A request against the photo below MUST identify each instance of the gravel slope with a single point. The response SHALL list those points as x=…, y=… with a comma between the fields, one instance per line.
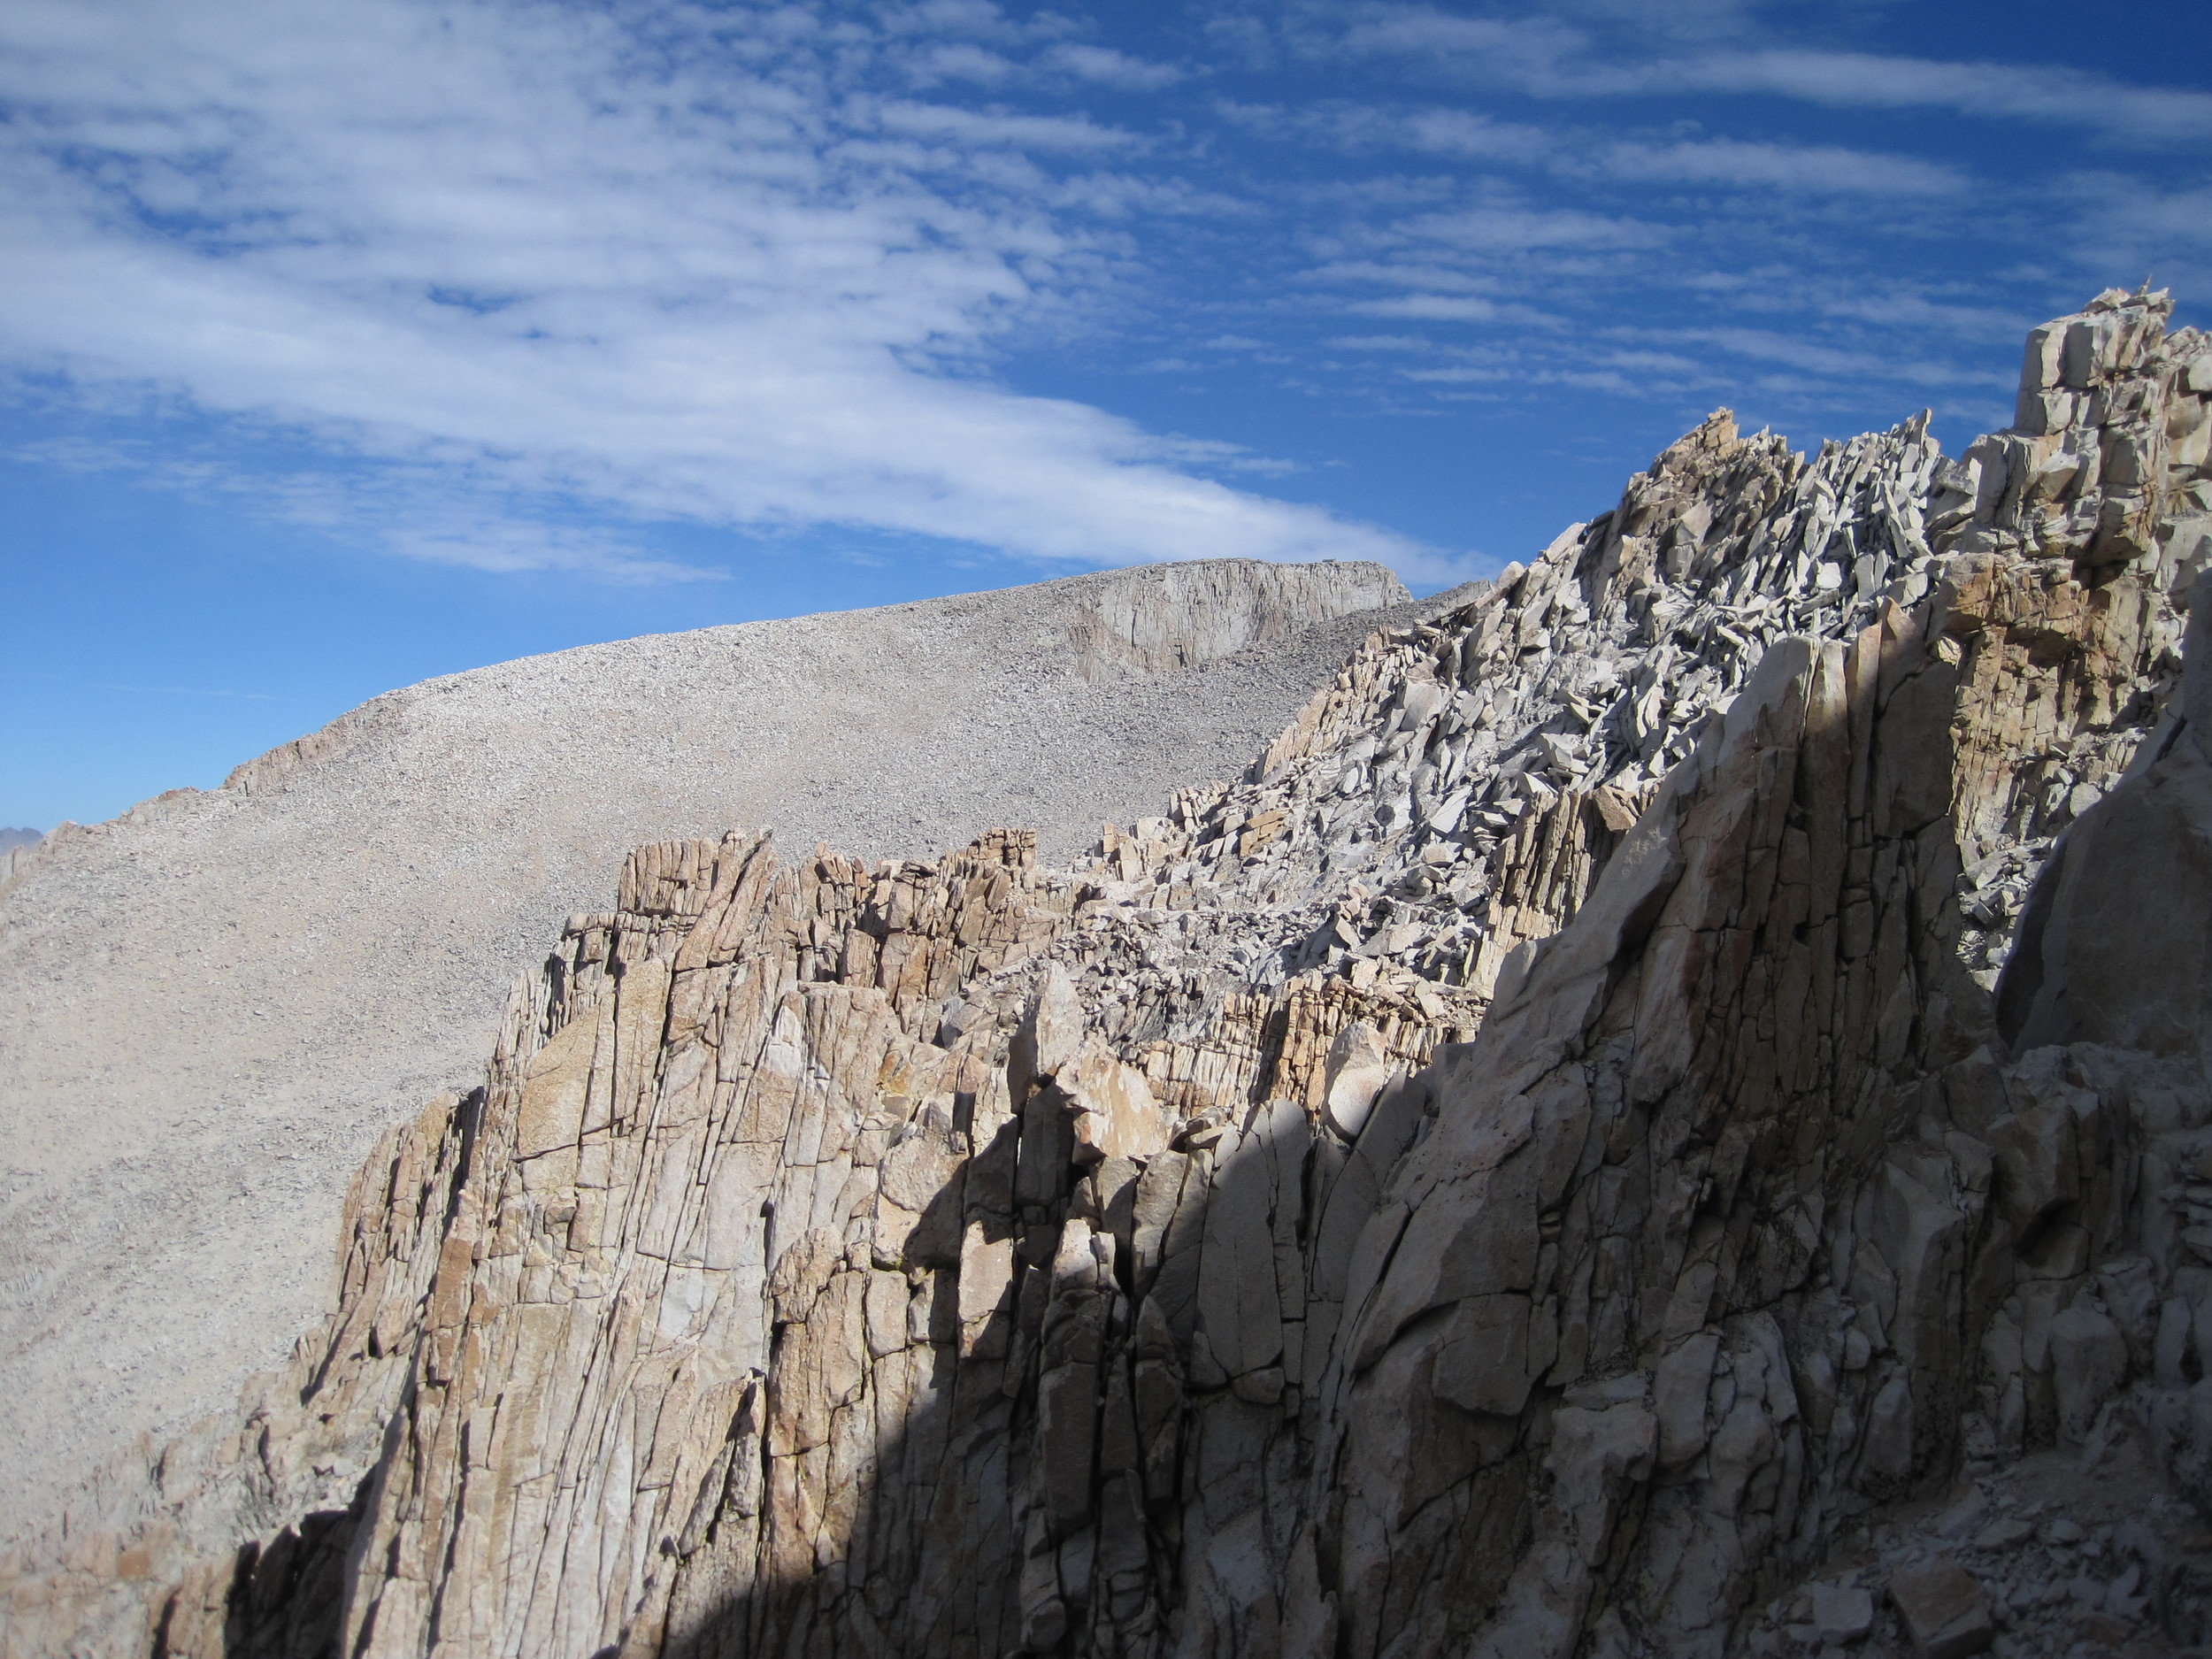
x=218, y=1001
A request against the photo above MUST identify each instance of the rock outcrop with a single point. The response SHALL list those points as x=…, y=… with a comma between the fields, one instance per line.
x=243, y=987
x=1668, y=1112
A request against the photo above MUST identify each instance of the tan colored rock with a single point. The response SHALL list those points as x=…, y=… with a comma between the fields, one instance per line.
x=971, y=1256
x=1114, y=1113
x=1360, y=1068
x=296, y=961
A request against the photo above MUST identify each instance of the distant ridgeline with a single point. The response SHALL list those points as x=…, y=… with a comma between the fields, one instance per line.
x=1684, y=1061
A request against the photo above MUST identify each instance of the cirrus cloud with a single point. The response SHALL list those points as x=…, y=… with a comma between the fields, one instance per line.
x=670, y=264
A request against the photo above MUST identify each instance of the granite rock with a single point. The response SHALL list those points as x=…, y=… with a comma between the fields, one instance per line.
x=1668, y=1113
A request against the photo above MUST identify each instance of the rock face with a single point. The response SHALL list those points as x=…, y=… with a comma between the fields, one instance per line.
x=243, y=988
x=1666, y=1114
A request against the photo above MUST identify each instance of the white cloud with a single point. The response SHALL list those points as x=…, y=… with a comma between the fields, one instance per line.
x=1457, y=307
x=2070, y=97
x=1106, y=67
x=1504, y=228
x=1520, y=49
x=1230, y=457
x=1819, y=169
x=2164, y=235
x=1356, y=128
x=1001, y=131
x=960, y=60
x=1461, y=134
x=1353, y=128
x=1395, y=274
x=1859, y=366
x=1899, y=307
x=1549, y=57
x=423, y=512
x=664, y=264
x=1462, y=264
x=481, y=542
x=1379, y=342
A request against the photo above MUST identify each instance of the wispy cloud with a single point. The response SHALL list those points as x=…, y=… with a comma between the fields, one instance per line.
x=2143, y=224
x=1505, y=228
x=1436, y=307
x=1819, y=169
x=523, y=284
x=2060, y=96
x=989, y=130
x=421, y=510
x=1399, y=272
x=1528, y=50
x=1358, y=128
x=1552, y=58
x=671, y=263
x=1106, y=67
x=1378, y=342
x=1543, y=186
x=158, y=691
x=1800, y=353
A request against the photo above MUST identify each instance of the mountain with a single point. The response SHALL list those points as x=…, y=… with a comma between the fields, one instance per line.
x=1665, y=1112
x=243, y=988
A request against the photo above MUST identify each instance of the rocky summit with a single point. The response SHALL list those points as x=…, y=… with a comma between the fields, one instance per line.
x=1669, y=1112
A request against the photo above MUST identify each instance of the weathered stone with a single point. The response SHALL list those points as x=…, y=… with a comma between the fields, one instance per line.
x=1115, y=1115
x=1679, y=1390
x=1360, y=1068
x=1239, y=1314
x=1841, y=1613
x=1484, y=1363
x=821, y=1271
x=2089, y=1359
x=1051, y=1030
x=1945, y=1611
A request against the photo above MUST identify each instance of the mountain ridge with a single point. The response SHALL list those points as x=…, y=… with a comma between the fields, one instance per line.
x=1627, y=1130
x=245, y=987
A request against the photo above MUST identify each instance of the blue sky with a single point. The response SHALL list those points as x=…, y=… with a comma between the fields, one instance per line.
x=342, y=345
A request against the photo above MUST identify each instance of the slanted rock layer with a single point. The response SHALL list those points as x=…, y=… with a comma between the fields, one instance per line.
x=1667, y=1113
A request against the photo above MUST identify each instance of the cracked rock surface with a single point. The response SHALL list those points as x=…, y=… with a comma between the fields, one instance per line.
x=243, y=988
x=1668, y=1113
